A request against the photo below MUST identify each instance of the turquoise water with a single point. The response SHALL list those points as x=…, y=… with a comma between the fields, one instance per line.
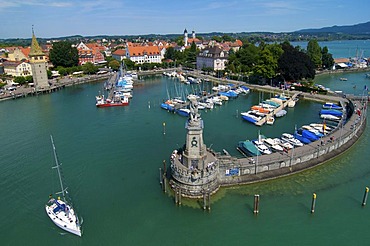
x=355, y=83
x=111, y=158
x=343, y=48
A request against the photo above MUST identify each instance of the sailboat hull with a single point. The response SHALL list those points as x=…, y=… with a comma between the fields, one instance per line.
x=64, y=219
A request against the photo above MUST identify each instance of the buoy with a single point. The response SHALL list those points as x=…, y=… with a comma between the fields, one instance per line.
x=365, y=196
x=256, y=203
x=313, y=203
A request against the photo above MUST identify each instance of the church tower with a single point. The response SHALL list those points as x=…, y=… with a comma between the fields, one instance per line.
x=193, y=34
x=185, y=37
x=38, y=64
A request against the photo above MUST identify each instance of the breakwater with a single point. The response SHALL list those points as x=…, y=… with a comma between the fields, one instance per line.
x=227, y=170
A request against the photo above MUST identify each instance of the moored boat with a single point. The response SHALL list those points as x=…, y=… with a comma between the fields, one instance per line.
x=183, y=112
x=329, y=105
x=273, y=144
x=287, y=137
x=248, y=148
x=116, y=102
x=281, y=113
x=329, y=117
x=270, y=120
x=285, y=145
x=331, y=112
x=301, y=138
x=261, y=147
x=250, y=116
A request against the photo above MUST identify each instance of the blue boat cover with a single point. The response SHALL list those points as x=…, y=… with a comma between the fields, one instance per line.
x=249, y=119
x=331, y=112
x=60, y=207
x=310, y=135
x=301, y=138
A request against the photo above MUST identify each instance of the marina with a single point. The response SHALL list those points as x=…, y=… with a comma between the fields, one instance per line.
x=123, y=186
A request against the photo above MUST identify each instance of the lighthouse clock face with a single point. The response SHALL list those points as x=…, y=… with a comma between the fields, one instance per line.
x=194, y=143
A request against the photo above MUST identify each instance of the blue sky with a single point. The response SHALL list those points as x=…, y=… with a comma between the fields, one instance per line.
x=53, y=18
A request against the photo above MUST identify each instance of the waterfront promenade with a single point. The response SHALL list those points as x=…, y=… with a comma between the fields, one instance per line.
x=55, y=84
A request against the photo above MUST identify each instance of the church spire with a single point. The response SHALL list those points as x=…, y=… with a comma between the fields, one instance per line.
x=35, y=47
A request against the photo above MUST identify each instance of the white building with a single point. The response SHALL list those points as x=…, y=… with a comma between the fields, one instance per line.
x=16, y=68
x=213, y=57
x=144, y=54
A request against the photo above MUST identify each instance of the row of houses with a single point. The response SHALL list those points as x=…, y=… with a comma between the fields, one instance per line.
x=213, y=55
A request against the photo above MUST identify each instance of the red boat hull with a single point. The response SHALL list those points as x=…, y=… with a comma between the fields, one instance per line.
x=105, y=105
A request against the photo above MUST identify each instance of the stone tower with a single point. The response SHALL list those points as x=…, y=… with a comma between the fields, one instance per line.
x=185, y=37
x=194, y=168
x=195, y=152
x=38, y=65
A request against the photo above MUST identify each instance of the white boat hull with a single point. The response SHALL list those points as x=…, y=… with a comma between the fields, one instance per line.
x=64, y=220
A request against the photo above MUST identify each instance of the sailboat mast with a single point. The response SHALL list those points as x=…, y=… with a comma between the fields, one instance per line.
x=57, y=166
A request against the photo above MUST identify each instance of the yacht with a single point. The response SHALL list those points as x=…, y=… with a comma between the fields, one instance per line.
x=273, y=145
x=261, y=147
x=287, y=137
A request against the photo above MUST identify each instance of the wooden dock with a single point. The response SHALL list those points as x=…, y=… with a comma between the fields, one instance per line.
x=275, y=111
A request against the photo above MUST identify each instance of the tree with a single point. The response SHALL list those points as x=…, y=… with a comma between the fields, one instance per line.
x=295, y=64
x=63, y=54
x=20, y=80
x=327, y=58
x=89, y=68
x=314, y=52
x=114, y=64
x=130, y=65
x=227, y=38
x=191, y=56
x=29, y=79
x=170, y=53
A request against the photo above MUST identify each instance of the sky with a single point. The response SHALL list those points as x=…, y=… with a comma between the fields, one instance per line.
x=53, y=18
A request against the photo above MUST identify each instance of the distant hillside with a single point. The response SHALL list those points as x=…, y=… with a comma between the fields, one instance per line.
x=358, y=29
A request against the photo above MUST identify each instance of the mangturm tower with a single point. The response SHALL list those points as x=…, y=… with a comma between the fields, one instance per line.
x=194, y=168
x=38, y=65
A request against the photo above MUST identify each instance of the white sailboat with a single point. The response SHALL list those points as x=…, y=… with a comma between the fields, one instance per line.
x=60, y=210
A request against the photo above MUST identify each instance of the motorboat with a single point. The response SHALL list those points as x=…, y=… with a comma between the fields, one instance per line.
x=183, y=112
x=261, y=109
x=298, y=135
x=248, y=148
x=285, y=145
x=270, y=120
x=116, y=102
x=313, y=130
x=250, y=116
x=330, y=117
x=287, y=137
x=330, y=105
x=261, y=147
x=331, y=112
x=323, y=127
x=272, y=144
x=281, y=113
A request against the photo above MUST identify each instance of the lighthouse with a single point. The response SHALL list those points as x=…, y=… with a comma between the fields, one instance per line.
x=194, y=168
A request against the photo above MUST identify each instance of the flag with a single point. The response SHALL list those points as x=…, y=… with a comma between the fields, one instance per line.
x=323, y=127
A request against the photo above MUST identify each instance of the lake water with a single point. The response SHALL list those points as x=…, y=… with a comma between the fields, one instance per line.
x=343, y=48
x=111, y=158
